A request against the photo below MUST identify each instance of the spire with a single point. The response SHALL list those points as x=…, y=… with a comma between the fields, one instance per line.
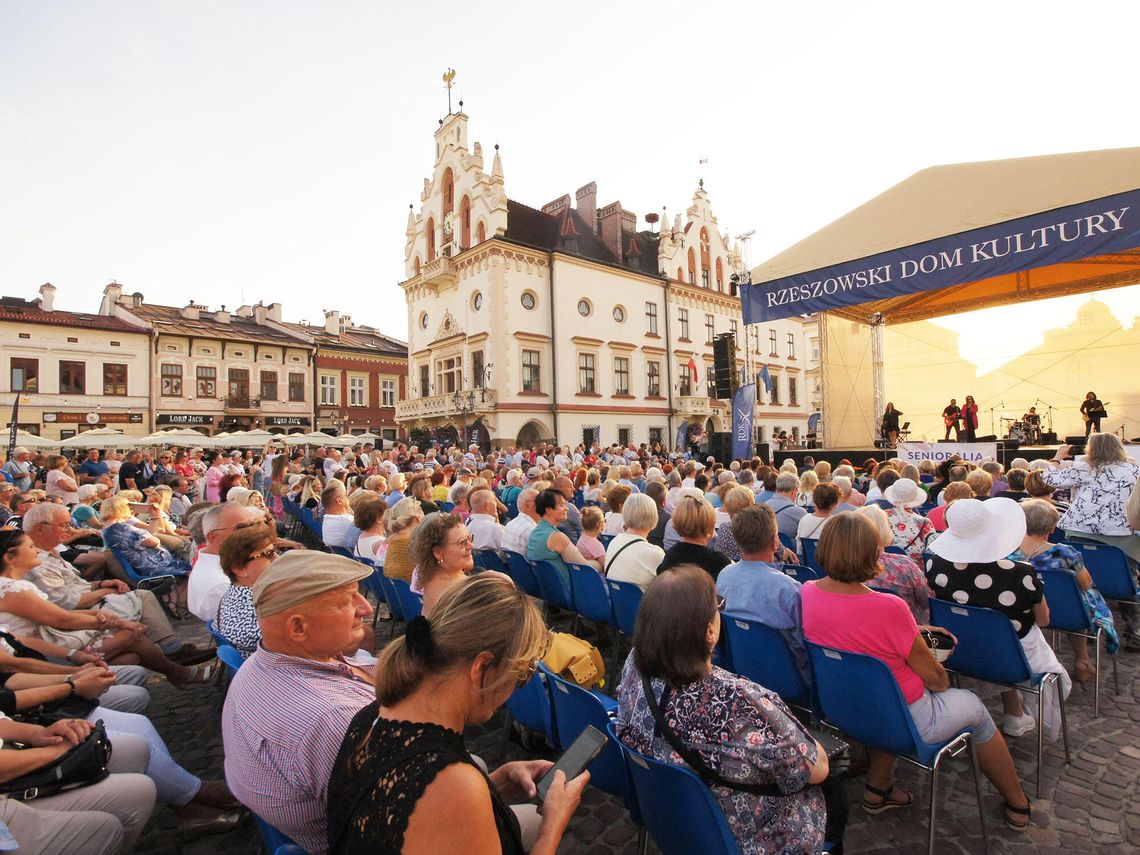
x=411, y=219
x=497, y=167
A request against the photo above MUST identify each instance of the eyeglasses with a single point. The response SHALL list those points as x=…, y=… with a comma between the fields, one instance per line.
x=721, y=602
x=467, y=541
x=269, y=554
x=524, y=678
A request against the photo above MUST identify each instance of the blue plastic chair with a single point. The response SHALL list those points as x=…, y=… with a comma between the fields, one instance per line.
x=802, y=574
x=578, y=499
x=411, y=605
x=231, y=658
x=375, y=584
x=788, y=542
x=762, y=654
x=895, y=550
x=394, y=605
x=529, y=705
x=342, y=552
x=1109, y=569
x=555, y=591
x=809, y=545
x=289, y=849
x=148, y=583
x=272, y=838
x=625, y=598
x=606, y=539
x=859, y=695
x=1067, y=614
x=679, y=811
x=988, y=650
x=590, y=596
x=446, y=507
x=490, y=559
x=212, y=628
x=521, y=570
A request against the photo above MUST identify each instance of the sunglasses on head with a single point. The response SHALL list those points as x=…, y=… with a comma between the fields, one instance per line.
x=524, y=678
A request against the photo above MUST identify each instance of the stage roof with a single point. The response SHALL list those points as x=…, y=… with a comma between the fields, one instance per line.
x=966, y=236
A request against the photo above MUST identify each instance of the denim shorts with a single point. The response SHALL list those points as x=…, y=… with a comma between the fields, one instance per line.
x=939, y=715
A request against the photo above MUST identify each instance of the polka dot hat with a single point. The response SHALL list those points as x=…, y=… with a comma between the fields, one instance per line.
x=980, y=532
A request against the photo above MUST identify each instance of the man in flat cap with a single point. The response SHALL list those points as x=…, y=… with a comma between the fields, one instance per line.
x=289, y=706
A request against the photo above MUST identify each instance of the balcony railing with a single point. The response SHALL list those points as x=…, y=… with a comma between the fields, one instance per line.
x=693, y=405
x=439, y=273
x=444, y=405
x=242, y=403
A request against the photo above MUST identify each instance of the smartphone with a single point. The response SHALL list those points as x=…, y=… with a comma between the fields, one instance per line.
x=577, y=757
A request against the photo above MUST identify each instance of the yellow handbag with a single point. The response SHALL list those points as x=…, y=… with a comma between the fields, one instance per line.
x=575, y=660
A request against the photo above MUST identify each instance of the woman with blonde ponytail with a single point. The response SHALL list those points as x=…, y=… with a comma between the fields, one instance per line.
x=403, y=780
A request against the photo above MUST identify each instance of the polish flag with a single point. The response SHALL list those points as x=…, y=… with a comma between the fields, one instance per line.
x=693, y=368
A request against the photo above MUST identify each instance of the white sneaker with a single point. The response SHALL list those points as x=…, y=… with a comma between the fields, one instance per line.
x=1018, y=725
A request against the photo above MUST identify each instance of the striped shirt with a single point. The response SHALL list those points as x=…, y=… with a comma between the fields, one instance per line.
x=283, y=723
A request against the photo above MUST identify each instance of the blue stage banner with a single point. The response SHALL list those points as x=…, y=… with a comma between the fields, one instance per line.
x=743, y=410
x=1063, y=234
x=683, y=436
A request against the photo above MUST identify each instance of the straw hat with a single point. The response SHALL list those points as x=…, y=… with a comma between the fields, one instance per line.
x=980, y=532
x=904, y=493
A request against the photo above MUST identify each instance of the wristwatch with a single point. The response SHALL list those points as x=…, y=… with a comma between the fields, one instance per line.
x=70, y=682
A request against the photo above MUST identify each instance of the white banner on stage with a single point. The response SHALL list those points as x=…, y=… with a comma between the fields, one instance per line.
x=974, y=452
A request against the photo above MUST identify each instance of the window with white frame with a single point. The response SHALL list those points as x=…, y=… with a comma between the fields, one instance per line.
x=710, y=329
x=772, y=343
x=587, y=382
x=651, y=318
x=791, y=345
x=531, y=371
x=329, y=397
x=387, y=393
x=358, y=391
x=449, y=375
x=683, y=323
x=621, y=375
x=654, y=379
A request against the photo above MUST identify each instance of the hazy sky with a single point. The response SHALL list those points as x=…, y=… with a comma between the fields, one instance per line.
x=236, y=151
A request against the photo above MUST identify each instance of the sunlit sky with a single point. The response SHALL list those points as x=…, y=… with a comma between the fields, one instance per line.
x=240, y=151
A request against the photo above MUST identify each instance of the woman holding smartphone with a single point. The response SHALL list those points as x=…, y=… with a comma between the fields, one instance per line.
x=404, y=781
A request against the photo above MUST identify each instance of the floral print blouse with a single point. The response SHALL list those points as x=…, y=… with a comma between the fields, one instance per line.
x=1098, y=497
x=743, y=732
x=904, y=578
x=912, y=532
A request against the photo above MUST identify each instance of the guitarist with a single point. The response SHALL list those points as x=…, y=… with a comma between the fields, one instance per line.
x=952, y=415
x=1092, y=411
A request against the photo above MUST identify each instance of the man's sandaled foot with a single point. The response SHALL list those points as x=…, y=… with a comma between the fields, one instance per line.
x=885, y=800
x=1017, y=818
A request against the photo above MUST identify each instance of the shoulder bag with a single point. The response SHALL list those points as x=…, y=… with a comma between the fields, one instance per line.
x=86, y=763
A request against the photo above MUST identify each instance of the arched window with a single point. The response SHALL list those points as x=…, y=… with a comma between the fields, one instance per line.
x=692, y=267
x=431, y=239
x=680, y=275
x=705, y=257
x=719, y=275
x=448, y=191
x=417, y=265
x=465, y=222
x=482, y=232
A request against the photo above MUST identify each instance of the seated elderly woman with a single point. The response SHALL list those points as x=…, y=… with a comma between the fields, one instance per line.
x=1101, y=485
x=245, y=555
x=669, y=678
x=400, y=522
x=694, y=520
x=140, y=546
x=899, y=574
x=630, y=556
x=954, y=491
x=842, y=612
x=1040, y=521
x=736, y=499
x=825, y=499
x=441, y=550
x=1036, y=488
x=84, y=514
x=981, y=482
x=368, y=516
x=547, y=543
x=912, y=531
x=971, y=567
x=403, y=780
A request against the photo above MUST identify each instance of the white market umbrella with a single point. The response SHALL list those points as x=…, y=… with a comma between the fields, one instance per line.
x=252, y=438
x=100, y=438
x=312, y=438
x=34, y=443
x=367, y=437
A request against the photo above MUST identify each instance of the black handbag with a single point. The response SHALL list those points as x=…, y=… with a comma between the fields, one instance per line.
x=85, y=764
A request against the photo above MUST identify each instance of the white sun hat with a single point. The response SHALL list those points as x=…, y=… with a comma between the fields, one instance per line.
x=905, y=493
x=980, y=532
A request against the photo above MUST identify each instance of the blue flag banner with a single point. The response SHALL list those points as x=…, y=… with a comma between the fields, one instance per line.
x=682, y=435
x=1063, y=234
x=765, y=378
x=743, y=410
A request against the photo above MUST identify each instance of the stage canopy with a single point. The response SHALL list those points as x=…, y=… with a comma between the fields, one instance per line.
x=949, y=239
x=965, y=236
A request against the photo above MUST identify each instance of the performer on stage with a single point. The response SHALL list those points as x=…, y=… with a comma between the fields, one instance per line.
x=890, y=428
x=1092, y=411
x=952, y=415
x=970, y=419
x=1032, y=421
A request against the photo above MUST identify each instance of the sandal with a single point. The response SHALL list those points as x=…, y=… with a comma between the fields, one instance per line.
x=1026, y=812
x=198, y=674
x=886, y=802
x=1082, y=672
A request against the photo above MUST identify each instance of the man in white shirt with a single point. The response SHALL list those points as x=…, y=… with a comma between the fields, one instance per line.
x=332, y=464
x=462, y=476
x=337, y=527
x=516, y=533
x=207, y=580
x=483, y=525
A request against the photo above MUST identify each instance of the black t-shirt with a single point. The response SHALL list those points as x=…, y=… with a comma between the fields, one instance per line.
x=691, y=553
x=952, y=412
x=130, y=470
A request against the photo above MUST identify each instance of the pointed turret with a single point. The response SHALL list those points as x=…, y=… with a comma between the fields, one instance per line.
x=497, y=167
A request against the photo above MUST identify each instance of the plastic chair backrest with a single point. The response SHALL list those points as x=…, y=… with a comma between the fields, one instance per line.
x=489, y=559
x=1066, y=608
x=212, y=628
x=574, y=708
x=626, y=600
x=606, y=539
x=762, y=654
x=1109, y=569
x=590, y=595
x=412, y=605
x=801, y=573
x=129, y=569
x=376, y=586
x=395, y=606
x=289, y=849
x=530, y=706
x=678, y=810
x=859, y=695
x=521, y=570
x=578, y=499
x=895, y=550
x=342, y=551
x=987, y=647
x=446, y=507
x=271, y=838
x=808, y=544
x=553, y=587
x=788, y=541
x=230, y=657
x=925, y=508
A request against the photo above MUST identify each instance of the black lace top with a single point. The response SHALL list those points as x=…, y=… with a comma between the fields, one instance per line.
x=381, y=771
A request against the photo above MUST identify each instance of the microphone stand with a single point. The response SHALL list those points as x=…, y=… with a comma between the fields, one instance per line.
x=1051, y=408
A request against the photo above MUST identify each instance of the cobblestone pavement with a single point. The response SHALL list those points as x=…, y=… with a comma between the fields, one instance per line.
x=1090, y=806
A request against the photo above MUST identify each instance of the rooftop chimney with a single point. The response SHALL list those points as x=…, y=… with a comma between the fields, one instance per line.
x=136, y=299
x=557, y=206
x=588, y=204
x=191, y=311
x=275, y=312
x=244, y=311
x=47, y=297
x=260, y=314
x=332, y=322
x=609, y=228
x=222, y=316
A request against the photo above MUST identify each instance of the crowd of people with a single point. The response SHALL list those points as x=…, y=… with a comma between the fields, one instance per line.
x=341, y=742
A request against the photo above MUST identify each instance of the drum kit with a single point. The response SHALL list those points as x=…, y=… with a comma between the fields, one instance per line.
x=1027, y=431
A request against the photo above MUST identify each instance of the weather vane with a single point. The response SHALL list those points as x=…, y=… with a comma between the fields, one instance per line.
x=449, y=79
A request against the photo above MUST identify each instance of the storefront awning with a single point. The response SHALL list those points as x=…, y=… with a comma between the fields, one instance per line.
x=965, y=236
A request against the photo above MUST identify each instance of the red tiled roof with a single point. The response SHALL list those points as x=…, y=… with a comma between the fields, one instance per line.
x=169, y=319
x=29, y=312
x=355, y=338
